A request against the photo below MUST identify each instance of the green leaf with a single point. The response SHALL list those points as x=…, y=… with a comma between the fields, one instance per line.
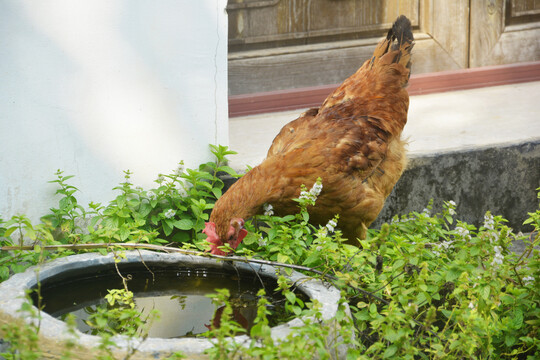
x=282, y=258
x=260, y=330
x=312, y=260
x=484, y=291
x=9, y=231
x=183, y=224
x=94, y=221
x=362, y=315
x=291, y=297
x=509, y=340
x=453, y=273
x=31, y=233
x=217, y=192
x=391, y=335
x=167, y=229
x=390, y=351
x=124, y=232
x=517, y=320
x=398, y=264
x=287, y=218
x=4, y=273
x=145, y=209
x=120, y=201
x=181, y=237
x=229, y=170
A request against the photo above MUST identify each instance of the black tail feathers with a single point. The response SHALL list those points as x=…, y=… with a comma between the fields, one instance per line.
x=401, y=31
x=401, y=38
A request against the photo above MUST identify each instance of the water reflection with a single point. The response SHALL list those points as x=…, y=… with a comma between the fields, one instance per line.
x=179, y=295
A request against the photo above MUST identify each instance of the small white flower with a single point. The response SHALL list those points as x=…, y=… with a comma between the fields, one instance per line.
x=489, y=222
x=451, y=207
x=528, y=279
x=262, y=241
x=305, y=195
x=268, y=210
x=316, y=189
x=471, y=306
x=160, y=179
x=499, y=257
x=169, y=213
x=182, y=191
x=446, y=244
x=318, y=248
x=180, y=169
x=331, y=225
x=426, y=212
x=463, y=232
x=493, y=236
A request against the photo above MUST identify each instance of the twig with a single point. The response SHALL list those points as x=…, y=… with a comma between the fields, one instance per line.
x=189, y=252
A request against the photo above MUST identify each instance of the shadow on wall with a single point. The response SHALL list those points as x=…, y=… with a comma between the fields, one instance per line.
x=97, y=87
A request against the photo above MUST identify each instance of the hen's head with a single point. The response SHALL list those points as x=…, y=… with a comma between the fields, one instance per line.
x=234, y=237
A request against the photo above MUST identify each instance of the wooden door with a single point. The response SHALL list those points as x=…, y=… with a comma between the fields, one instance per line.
x=290, y=44
x=504, y=32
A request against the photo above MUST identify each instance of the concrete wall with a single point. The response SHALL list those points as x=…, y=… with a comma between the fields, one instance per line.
x=98, y=87
x=502, y=179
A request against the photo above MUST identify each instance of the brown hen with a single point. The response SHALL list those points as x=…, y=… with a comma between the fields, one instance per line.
x=352, y=142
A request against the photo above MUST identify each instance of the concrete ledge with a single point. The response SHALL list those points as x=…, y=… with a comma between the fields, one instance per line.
x=502, y=179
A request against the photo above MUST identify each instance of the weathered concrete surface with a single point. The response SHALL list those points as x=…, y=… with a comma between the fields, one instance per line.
x=501, y=179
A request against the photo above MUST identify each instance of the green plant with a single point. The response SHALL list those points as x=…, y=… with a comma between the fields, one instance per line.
x=18, y=261
x=118, y=315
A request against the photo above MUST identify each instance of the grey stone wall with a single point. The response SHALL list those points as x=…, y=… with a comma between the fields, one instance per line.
x=502, y=179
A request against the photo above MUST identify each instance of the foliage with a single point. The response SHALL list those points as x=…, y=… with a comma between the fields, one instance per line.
x=425, y=286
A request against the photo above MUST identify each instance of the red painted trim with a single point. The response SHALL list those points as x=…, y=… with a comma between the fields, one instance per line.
x=281, y=100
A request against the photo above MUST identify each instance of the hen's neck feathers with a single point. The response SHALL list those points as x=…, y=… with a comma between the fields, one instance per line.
x=243, y=200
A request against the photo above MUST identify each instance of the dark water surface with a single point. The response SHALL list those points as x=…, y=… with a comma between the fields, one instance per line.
x=178, y=293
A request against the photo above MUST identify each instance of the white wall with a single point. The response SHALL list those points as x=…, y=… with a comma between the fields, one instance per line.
x=95, y=87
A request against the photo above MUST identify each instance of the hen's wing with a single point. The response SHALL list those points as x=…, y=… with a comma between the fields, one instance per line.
x=288, y=136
